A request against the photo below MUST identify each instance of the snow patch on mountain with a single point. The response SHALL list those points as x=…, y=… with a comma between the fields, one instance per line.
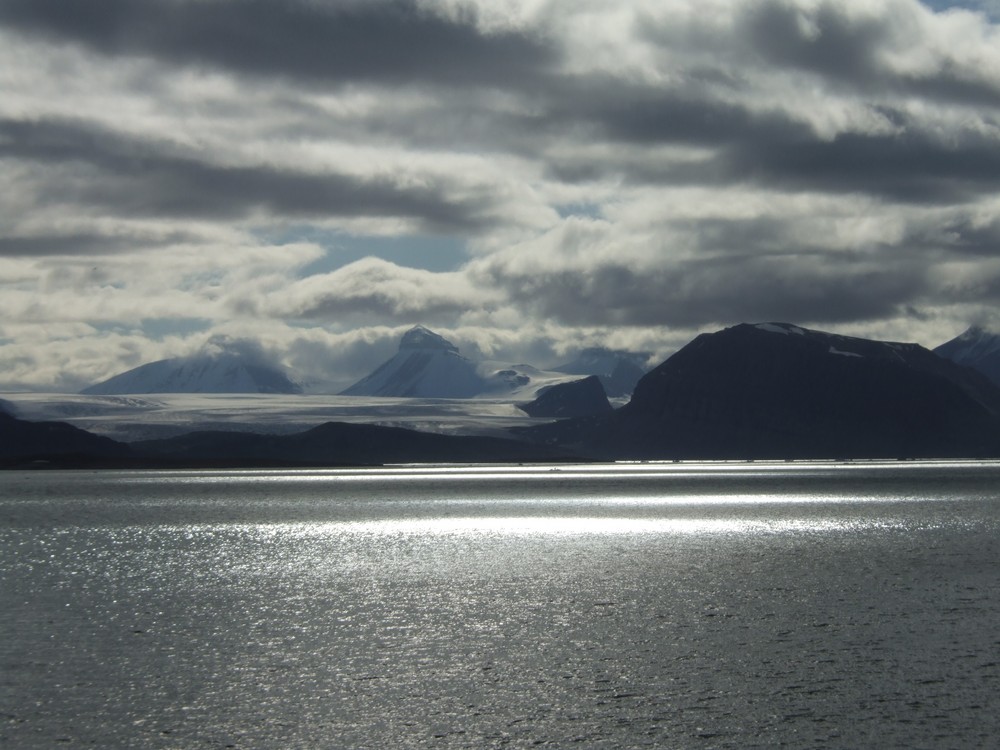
x=782, y=328
x=835, y=350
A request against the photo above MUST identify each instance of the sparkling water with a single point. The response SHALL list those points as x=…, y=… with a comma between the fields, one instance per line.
x=644, y=605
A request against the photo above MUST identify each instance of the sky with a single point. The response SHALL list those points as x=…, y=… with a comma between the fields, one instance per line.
x=525, y=177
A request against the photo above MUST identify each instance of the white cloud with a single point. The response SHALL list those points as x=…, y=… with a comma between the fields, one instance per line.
x=631, y=172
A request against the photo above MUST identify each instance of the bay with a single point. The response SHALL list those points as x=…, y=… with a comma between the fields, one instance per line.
x=629, y=605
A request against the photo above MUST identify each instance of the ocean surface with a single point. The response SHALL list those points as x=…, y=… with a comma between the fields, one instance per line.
x=603, y=606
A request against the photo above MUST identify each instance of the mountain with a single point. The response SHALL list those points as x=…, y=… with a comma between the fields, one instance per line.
x=579, y=398
x=975, y=348
x=223, y=366
x=22, y=441
x=46, y=444
x=618, y=370
x=775, y=390
x=341, y=444
x=427, y=365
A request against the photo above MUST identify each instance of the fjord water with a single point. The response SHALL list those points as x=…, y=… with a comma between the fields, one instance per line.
x=645, y=605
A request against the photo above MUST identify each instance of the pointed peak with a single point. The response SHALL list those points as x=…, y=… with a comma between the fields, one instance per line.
x=419, y=337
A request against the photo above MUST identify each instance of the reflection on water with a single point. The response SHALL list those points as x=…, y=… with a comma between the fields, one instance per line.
x=575, y=526
x=640, y=605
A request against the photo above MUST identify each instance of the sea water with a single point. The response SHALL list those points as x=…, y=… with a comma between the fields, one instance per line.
x=605, y=606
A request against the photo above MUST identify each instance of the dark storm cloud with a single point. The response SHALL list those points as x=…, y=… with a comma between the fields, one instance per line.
x=134, y=177
x=773, y=150
x=695, y=292
x=849, y=48
x=956, y=237
x=837, y=46
x=906, y=167
x=391, y=41
x=644, y=114
x=89, y=243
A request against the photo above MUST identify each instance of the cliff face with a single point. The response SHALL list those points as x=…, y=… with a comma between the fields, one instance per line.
x=779, y=391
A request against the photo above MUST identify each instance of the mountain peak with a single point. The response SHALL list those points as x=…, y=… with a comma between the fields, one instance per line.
x=618, y=370
x=427, y=365
x=419, y=337
x=223, y=365
x=976, y=347
x=978, y=333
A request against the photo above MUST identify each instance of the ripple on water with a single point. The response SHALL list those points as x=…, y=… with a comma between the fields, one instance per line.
x=478, y=613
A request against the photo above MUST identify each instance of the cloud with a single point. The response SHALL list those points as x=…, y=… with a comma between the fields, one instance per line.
x=107, y=172
x=373, y=288
x=633, y=172
x=383, y=41
x=584, y=274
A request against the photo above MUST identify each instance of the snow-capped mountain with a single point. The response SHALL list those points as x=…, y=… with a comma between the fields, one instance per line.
x=976, y=348
x=427, y=365
x=618, y=370
x=223, y=366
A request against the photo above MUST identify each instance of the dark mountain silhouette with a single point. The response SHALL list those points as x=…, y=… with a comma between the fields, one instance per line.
x=778, y=391
x=579, y=398
x=22, y=441
x=342, y=444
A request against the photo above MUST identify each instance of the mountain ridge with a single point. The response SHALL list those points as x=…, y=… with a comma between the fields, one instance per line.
x=775, y=390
